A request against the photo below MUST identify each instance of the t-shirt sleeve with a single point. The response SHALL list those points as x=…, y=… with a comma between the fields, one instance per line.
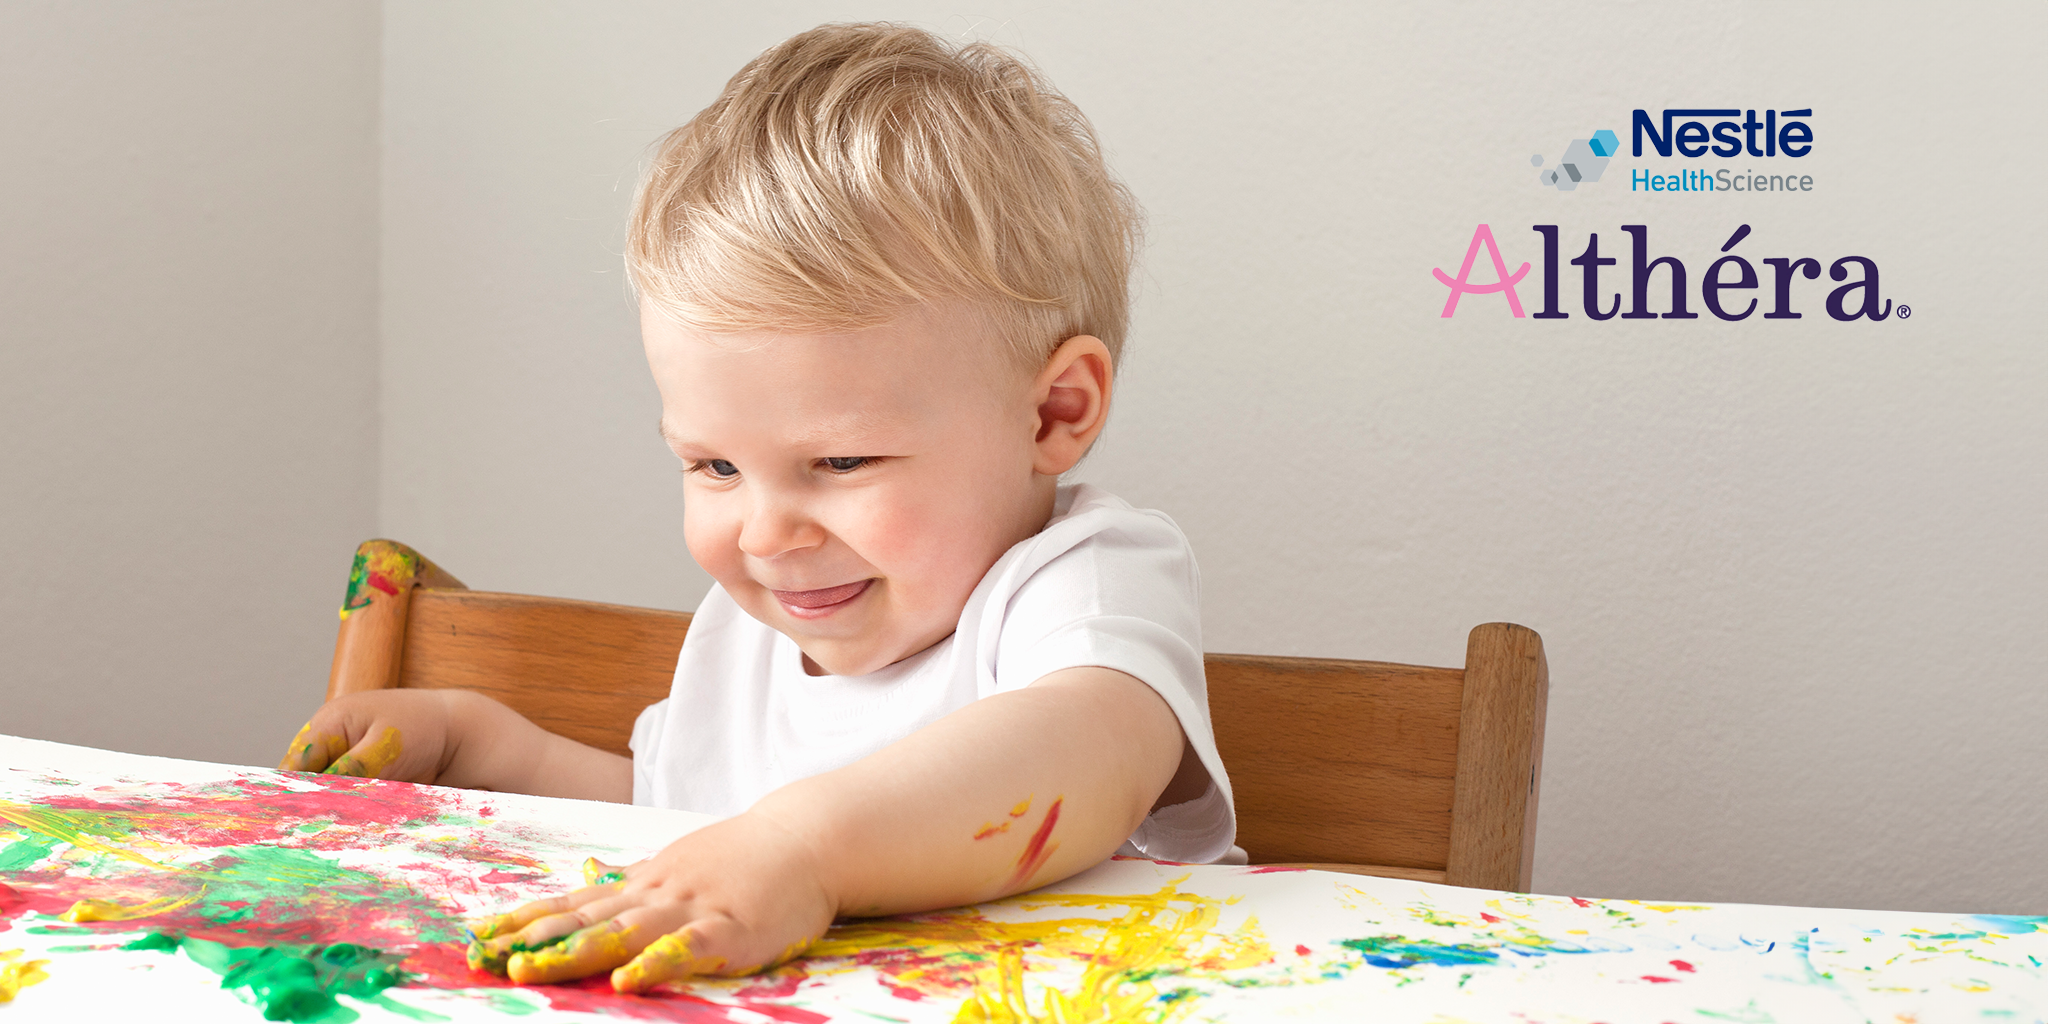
x=1122, y=593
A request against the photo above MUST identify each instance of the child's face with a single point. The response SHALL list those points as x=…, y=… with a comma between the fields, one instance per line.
x=850, y=490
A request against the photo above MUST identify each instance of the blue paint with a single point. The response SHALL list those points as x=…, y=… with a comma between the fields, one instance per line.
x=2011, y=924
x=1394, y=952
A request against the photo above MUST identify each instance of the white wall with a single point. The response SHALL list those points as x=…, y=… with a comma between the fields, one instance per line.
x=187, y=365
x=1788, y=573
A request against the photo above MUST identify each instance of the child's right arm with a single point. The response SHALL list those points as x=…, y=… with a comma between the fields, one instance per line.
x=453, y=738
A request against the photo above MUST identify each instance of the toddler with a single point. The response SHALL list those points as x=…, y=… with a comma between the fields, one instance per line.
x=883, y=285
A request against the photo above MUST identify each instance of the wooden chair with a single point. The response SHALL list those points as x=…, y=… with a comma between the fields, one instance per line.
x=1374, y=768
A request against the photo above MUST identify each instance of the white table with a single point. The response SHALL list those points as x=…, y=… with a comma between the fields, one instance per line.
x=221, y=863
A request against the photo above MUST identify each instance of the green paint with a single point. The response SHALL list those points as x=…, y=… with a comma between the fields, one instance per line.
x=314, y=827
x=358, y=574
x=25, y=852
x=495, y=962
x=297, y=983
x=609, y=877
x=1747, y=1015
x=511, y=1001
x=58, y=929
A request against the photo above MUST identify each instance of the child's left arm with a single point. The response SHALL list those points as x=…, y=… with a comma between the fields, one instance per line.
x=1014, y=791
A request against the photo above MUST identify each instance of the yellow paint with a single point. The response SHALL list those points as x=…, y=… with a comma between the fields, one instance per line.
x=308, y=753
x=594, y=869
x=1666, y=908
x=1167, y=934
x=669, y=958
x=486, y=929
x=19, y=975
x=395, y=564
x=58, y=826
x=107, y=910
x=372, y=760
x=1022, y=806
x=592, y=950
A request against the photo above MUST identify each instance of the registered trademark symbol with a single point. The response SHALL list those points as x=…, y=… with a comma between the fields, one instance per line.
x=1905, y=311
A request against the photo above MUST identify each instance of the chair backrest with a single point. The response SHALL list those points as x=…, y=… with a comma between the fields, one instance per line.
x=1402, y=770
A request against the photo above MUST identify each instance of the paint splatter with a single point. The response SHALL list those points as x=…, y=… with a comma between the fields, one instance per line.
x=1164, y=935
x=297, y=983
x=17, y=974
x=1038, y=850
x=382, y=566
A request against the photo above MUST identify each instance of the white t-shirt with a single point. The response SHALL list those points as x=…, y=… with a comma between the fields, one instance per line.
x=1103, y=584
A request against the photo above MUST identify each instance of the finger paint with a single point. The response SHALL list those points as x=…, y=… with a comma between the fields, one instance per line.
x=596, y=872
x=17, y=974
x=588, y=951
x=993, y=829
x=1164, y=936
x=1038, y=850
x=482, y=957
x=297, y=983
x=380, y=567
x=108, y=910
x=308, y=752
x=669, y=958
x=372, y=760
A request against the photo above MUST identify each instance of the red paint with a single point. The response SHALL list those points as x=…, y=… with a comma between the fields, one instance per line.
x=992, y=830
x=1657, y=980
x=1259, y=869
x=384, y=913
x=1300, y=950
x=1488, y=918
x=1036, y=852
x=1683, y=966
x=780, y=983
x=1580, y=902
x=383, y=583
x=595, y=995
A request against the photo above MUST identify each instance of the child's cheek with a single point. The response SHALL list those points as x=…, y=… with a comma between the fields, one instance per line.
x=712, y=533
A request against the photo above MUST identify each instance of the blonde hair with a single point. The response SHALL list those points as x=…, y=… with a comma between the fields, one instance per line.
x=854, y=171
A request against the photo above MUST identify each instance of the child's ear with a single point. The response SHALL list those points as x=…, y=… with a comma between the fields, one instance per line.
x=1072, y=396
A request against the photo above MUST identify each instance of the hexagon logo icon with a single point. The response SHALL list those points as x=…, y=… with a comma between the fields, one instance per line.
x=1583, y=162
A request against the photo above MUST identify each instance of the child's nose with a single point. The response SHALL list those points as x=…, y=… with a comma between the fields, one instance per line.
x=777, y=526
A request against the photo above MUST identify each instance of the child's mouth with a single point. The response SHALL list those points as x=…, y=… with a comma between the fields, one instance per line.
x=811, y=604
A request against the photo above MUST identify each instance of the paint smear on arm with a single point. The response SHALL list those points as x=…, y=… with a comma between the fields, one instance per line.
x=1039, y=849
x=993, y=829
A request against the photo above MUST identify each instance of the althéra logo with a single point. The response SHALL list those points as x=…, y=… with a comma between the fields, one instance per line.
x=1583, y=160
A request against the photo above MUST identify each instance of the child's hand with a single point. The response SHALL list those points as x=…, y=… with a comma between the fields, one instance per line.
x=732, y=898
x=386, y=734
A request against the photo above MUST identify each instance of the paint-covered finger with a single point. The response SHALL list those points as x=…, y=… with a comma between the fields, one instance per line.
x=520, y=917
x=677, y=956
x=597, y=948
x=311, y=751
x=709, y=946
x=369, y=758
x=597, y=872
x=492, y=948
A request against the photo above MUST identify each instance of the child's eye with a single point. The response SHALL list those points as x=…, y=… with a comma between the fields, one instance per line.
x=848, y=463
x=716, y=467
